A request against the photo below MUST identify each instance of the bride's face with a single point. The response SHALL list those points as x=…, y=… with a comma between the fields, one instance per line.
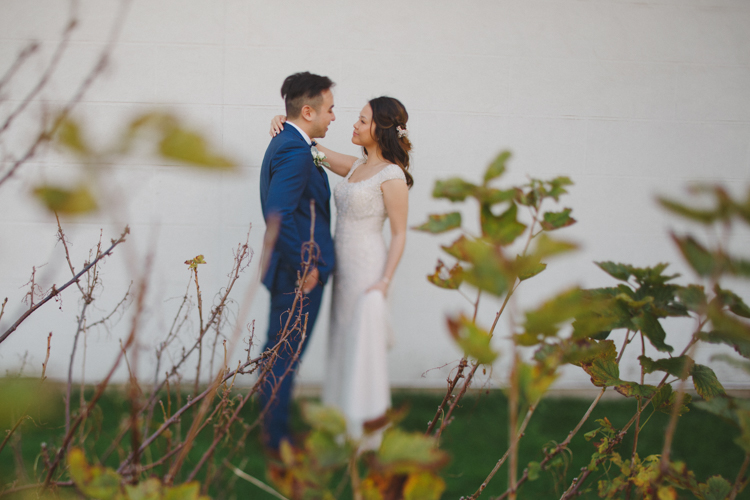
x=362, y=135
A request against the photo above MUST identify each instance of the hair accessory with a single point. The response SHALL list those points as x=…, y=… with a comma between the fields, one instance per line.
x=402, y=132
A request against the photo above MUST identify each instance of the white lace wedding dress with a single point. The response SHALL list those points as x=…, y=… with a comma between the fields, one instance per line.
x=356, y=379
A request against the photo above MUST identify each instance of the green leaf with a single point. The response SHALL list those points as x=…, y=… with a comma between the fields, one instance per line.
x=454, y=189
x=665, y=399
x=581, y=352
x=716, y=488
x=404, y=452
x=743, y=440
x=693, y=297
x=492, y=196
x=459, y=248
x=652, y=329
x=617, y=271
x=697, y=215
x=740, y=345
x=725, y=407
x=535, y=470
x=547, y=247
x=490, y=271
x=423, y=486
x=193, y=263
x=733, y=301
x=150, y=489
x=191, y=148
x=737, y=363
x=92, y=480
x=700, y=259
x=603, y=372
x=75, y=201
x=185, y=491
x=504, y=228
x=474, y=340
x=728, y=330
x=557, y=220
x=528, y=267
x=324, y=418
x=440, y=223
x=497, y=167
x=557, y=187
x=69, y=135
x=323, y=448
x=602, y=313
x=534, y=380
x=634, y=390
x=680, y=366
x=547, y=319
x=446, y=278
x=706, y=384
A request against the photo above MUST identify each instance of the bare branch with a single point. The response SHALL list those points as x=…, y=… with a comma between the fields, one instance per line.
x=46, y=359
x=55, y=291
x=47, y=133
x=22, y=57
x=104, y=383
x=69, y=386
x=45, y=78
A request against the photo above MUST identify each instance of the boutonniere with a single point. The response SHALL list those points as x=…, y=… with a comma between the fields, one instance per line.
x=319, y=159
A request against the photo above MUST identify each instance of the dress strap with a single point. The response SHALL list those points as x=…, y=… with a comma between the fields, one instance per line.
x=391, y=172
x=357, y=162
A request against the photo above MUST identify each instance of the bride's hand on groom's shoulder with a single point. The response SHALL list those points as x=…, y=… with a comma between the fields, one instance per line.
x=382, y=286
x=277, y=124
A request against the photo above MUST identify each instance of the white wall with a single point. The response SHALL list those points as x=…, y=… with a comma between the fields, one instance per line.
x=629, y=98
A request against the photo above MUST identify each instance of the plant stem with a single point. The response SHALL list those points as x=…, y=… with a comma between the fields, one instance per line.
x=516, y=437
x=512, y=423
x=56, y=291
x=69, y=386
x=451, y=386
x=740, y=478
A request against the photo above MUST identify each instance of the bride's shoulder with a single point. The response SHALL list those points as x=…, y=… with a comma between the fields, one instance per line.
x=391, y=172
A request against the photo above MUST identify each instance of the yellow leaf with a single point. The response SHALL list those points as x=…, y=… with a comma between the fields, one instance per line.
x=66, y=201
x=423, y=486
x=190, y=147
x=69, y=135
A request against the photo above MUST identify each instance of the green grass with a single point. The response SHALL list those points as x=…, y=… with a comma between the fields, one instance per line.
x=476, y=439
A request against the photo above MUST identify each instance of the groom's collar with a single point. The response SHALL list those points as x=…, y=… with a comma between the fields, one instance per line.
x=302, y=133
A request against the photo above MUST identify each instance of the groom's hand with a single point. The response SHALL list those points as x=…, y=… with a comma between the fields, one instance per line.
x=311, y=281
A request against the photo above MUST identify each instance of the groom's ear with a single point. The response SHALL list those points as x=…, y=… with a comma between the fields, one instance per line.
x=307, y=112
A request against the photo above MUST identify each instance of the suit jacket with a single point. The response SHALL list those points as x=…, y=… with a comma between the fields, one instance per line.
x=288, y=181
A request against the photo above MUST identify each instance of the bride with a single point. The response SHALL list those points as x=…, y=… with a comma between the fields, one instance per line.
x=374, y=187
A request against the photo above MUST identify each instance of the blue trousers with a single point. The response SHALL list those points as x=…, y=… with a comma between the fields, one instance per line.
x=276, y=421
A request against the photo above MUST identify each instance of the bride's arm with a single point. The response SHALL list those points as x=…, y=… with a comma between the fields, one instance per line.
x=396, y=198
x=340, y=163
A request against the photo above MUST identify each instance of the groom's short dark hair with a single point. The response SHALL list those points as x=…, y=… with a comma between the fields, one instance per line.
x=303, y=88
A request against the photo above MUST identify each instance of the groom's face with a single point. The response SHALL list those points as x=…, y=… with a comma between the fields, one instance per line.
x=323, y=116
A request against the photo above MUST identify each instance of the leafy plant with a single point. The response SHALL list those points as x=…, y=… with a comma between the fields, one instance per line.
x=576, y=327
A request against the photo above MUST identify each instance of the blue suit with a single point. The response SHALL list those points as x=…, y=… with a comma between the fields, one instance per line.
x=288, y=181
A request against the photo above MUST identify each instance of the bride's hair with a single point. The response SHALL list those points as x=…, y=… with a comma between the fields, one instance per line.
x=389, y=117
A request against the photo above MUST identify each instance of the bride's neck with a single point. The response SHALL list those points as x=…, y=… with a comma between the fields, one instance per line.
x=374, y=155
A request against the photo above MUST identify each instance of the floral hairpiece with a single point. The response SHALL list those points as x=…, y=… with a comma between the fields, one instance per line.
x=402, y=132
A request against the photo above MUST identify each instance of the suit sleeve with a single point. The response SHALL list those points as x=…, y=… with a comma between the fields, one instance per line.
x=289, y=176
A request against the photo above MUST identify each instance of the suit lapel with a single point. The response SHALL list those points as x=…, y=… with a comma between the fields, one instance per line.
x=324, y=204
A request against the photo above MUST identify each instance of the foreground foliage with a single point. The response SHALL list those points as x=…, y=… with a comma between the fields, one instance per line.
x=578, y=327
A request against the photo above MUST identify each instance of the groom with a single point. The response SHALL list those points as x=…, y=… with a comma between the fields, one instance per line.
x=288, y=181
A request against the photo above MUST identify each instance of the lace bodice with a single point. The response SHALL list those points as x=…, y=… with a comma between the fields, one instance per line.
x=364, y=199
